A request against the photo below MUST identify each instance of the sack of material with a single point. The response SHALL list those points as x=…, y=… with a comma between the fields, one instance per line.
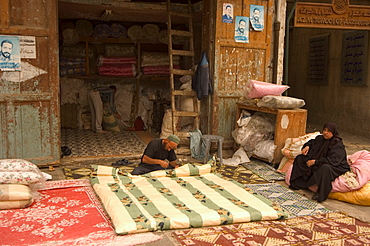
x=110, y=123
x=281, y=102
x=259, y=89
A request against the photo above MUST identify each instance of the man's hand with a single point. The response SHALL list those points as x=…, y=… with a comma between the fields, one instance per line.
x=163, y=164
x=305, y=150
x=174, y=164
x=310, y=163
x=117, y=116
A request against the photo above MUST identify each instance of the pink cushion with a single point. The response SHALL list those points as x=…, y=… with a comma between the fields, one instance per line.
x=258, y=89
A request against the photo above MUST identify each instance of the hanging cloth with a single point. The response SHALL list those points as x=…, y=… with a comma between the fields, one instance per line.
x=201, y=83
x=197, y=146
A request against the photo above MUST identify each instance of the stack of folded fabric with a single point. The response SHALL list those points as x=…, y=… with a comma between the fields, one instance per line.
x=158, y=63
x=117, y=66
x=72, y=65
x=72, y=60
x=19, y=182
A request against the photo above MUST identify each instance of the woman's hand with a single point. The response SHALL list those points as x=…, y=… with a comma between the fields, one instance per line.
x=305, y=150
x=310, y=163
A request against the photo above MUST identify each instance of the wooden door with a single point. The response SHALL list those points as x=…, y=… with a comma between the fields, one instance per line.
x=29, y=108
x=237, y=62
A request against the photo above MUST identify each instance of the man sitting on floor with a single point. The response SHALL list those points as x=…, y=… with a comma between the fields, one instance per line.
x=155, y=154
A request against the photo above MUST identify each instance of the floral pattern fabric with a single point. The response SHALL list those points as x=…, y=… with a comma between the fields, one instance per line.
x=63, y=216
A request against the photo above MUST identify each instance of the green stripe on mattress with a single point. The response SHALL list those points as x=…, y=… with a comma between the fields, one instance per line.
x=162, y=201
x=162, y=221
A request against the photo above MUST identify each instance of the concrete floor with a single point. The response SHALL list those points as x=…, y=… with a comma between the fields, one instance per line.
x=353, y=143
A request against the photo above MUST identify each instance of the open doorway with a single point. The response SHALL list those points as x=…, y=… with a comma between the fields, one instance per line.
x=121, y=47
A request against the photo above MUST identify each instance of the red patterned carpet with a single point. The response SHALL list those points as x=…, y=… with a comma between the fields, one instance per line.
x=324, y=229
x=68, y=213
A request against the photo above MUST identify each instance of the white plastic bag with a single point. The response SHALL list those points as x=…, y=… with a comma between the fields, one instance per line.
x=265, y=149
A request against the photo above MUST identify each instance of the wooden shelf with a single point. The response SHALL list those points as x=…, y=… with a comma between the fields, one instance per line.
x=93, y=40
x=290, y=123
x=95, y=76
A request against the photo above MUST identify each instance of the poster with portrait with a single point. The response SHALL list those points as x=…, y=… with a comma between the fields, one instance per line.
x=227, y=13
x=10, y=59
x=241, y=29
x=257, y=17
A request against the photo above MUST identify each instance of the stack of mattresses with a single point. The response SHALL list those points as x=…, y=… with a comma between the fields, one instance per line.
x=119, y=60
x=19, y=182
x=72, y=60
x=157, y=63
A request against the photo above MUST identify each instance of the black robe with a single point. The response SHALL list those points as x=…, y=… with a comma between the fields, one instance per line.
x=326, y=169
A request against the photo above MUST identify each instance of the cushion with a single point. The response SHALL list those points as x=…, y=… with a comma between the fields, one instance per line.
x=281, y=102
x=20, y=177
x=359, y=197
x=292, y=148
x=14, y=196
x=14, y=204
x=14, y=192
x=18, y=171
x=17, y=165
x=258, y=89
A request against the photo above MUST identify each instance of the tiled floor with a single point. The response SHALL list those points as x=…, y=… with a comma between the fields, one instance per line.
x=85, y=143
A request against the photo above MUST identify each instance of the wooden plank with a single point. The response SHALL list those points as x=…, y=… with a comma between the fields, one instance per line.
x=289, y=124
x=182, y=33
x=182, y=72
x=175, y=13
x=184, y=93
x=185, y=114
x=182, y=53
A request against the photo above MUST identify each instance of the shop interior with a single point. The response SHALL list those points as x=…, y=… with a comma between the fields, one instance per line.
x=127, y=47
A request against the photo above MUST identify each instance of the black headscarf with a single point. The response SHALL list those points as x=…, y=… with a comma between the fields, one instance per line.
x=322, y=145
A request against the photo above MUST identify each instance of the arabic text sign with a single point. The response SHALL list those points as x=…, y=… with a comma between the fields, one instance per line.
x=322, y=16
x=354, y=58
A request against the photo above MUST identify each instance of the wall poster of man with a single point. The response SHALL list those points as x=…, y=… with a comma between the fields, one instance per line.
x=10, y=59
x=227, y=13
x=241, y=29
x=257, y=14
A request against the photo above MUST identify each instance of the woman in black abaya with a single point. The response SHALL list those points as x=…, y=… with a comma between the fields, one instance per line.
x=323, y=159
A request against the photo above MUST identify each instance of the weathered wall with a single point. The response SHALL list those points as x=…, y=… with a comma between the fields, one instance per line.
x=74, y=91
x=348, y=106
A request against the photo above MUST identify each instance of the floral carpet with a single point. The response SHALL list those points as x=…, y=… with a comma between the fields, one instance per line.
x=335, y=229
x=68, y=213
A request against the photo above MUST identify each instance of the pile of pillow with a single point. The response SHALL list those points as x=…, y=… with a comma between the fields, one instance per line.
x=292, y=148
x=19, y=182
x=270, y=95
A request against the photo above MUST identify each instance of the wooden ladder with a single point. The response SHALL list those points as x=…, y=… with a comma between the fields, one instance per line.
x=187, y=52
